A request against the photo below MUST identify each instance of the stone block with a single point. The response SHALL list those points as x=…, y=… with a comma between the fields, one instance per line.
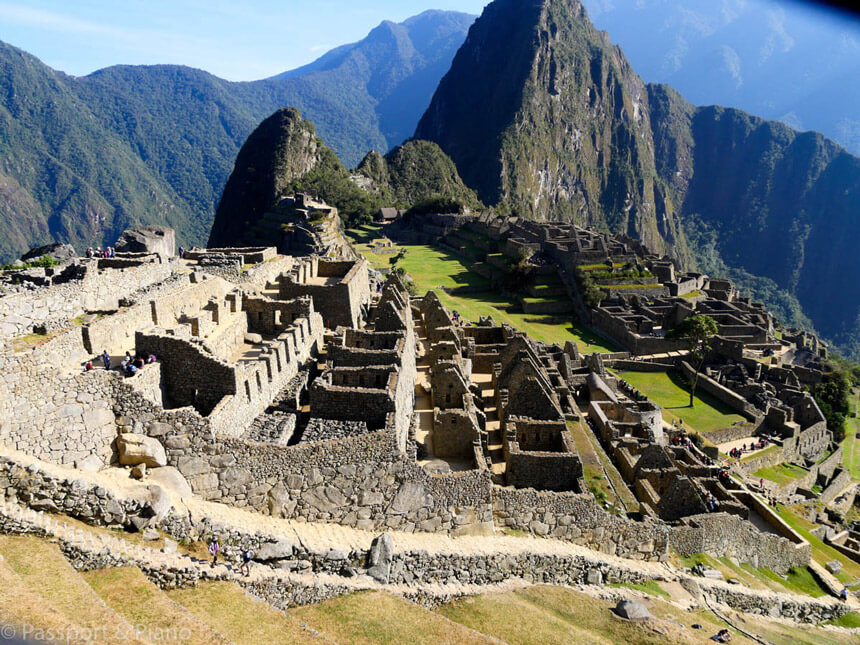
x=137, y=449
x=410, y=497
x=172, y=480
x=379, y=558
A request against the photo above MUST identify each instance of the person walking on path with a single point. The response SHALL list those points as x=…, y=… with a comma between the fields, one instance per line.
x=246, y=562
x=106, y=359
x=214, y=547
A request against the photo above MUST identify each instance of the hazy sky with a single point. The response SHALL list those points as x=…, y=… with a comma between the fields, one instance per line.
x=237, y=40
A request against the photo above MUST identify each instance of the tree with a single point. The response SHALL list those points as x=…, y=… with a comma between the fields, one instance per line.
x=697, y=331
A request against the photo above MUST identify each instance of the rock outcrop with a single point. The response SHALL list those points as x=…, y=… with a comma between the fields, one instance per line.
x=148, y=239
x=58, y=251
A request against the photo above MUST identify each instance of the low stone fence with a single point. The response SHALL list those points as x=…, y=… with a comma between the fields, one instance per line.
x=721, y=393
x=639, y=366
x=731, y=433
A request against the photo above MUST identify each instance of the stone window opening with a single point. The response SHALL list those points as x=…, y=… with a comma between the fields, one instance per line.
x=259, y=383
x=248, y=391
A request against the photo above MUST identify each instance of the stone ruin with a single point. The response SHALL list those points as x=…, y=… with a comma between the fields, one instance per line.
x=293, y=387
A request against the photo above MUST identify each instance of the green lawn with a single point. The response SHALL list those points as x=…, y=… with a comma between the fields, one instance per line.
x=782, y=474
x=821, y=552
x=431, y=269
x=667, y=390
x=851, y=452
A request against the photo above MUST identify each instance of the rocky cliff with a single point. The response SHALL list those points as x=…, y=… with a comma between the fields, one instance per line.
x=281, y=150
x=546, y=119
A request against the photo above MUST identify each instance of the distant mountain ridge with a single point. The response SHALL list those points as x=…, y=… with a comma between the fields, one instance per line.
x=83, y=158
x=546, y=118
x=780, y=60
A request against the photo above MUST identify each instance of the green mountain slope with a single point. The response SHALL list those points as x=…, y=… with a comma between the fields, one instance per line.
x=83, y=158
x=569, y=130
x=284, y=156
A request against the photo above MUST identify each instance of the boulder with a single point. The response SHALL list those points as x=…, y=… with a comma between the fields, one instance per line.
x=150, y=535
x=60, y=252
x=280, y=550
x=172, y=480
x=137, y=449
x=379, y=558
x=632, y=610
x=155, y=504
x=148, y=239
x=834, y=566
x=90, y=463
x=139, y=471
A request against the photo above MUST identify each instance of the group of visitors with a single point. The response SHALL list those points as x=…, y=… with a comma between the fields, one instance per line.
x=682, y=440
x=737, y=453
x=711, y=503
x=129, y=366
x=107, y=252
x=245, y=566
x=722, y=636
x=724, y=477
x=457, y=319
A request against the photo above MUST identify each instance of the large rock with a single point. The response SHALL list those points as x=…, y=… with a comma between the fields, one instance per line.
x=379, y=558
x=632, y=610
x=137, y=449
x=148, y=239
x=280, y=550
x=60, y=252
x=172, y=480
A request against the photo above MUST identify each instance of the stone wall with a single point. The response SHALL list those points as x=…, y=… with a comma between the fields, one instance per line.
x=725, y=535
x=577, y=517
x=721, y=393
x=50, y=409
x=97, y=290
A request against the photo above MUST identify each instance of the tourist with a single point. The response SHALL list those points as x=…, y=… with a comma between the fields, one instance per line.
x=132, y=370
x=90, y=252
x=843, y=595
x=126, y=361
x=722, y=636
x=151, y=359
x=214, y=547
x=88, y=366
x=106, y=359
x=246, y=561
x=181, y=252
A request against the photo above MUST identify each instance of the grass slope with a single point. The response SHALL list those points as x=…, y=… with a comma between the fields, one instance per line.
x=148, y=608
x=373, y=617
x=669, y=392
x=42, y=567
x=435, y=269
x=557, y=615
x=22, y=608
x=239, y=616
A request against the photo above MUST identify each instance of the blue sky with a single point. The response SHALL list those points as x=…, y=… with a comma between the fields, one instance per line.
x=237, y=40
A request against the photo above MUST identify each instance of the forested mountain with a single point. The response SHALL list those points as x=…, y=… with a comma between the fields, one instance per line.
x=284, y=156
x=83, y=158
x=544, y=117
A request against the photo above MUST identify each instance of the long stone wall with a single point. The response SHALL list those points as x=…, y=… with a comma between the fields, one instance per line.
x=577, y=517
x=721, y=393
x=726, y=535
x=98, y=290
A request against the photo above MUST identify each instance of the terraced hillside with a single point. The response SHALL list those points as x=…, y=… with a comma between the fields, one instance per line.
x=41, y=591
x=464, y=284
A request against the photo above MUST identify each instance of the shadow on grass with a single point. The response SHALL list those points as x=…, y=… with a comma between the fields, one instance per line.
x=678, y=379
